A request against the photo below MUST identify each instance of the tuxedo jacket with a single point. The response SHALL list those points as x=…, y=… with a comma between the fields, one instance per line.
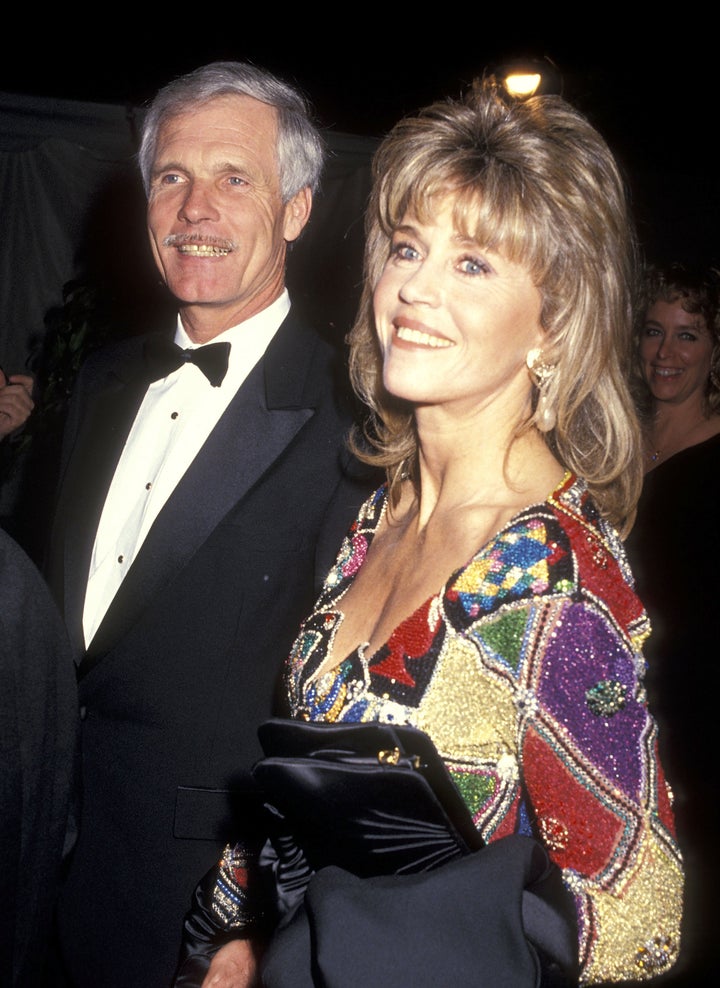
x=185, y=664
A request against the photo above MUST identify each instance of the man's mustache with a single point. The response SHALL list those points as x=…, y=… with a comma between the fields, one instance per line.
x=183, y=239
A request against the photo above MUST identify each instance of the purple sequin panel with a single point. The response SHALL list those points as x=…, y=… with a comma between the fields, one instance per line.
x=587, y=684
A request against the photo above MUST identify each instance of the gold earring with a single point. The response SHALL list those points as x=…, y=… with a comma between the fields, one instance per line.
x=541, y=374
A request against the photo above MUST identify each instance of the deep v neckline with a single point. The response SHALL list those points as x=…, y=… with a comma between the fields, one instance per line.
x=358, y=655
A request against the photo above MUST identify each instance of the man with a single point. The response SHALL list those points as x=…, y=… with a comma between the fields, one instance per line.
x=196, y=519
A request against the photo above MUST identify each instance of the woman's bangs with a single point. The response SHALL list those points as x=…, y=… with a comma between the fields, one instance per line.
x=498, y=220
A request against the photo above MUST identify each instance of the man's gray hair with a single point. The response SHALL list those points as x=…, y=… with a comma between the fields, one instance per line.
x=300, y=149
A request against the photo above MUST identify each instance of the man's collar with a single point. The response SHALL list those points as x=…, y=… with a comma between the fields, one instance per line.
x=271, y=316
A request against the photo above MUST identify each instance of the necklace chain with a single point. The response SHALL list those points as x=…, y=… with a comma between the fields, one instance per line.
x=660, y=452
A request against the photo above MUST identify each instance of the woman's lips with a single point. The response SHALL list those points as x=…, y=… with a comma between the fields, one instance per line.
x=666, y=372
x=419, y=337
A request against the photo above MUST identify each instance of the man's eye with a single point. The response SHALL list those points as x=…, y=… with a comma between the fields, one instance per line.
x=236, y=180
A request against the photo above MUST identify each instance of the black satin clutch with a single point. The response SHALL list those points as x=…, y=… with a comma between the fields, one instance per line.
x=375, y=799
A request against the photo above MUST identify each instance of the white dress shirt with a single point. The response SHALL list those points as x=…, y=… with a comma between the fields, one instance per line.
x=175, y=418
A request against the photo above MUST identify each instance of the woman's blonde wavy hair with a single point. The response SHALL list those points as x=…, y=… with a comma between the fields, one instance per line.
x=534, y=181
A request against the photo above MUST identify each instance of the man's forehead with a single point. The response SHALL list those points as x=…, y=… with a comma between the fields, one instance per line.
x=229, y=119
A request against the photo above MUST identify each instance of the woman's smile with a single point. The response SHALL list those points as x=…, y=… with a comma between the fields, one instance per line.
x=415, y=336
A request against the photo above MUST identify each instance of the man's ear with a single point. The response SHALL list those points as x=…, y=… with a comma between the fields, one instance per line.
x=297, y=213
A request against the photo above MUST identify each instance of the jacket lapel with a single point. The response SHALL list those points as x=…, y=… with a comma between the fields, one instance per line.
x=107, y=418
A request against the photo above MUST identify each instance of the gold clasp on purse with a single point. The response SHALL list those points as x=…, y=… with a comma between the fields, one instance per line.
x=391, y=756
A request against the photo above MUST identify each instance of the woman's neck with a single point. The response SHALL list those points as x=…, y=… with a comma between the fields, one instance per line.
x=476, y=466
x=678, y=427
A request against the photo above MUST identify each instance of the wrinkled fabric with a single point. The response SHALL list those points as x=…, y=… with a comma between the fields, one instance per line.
x=499, y=917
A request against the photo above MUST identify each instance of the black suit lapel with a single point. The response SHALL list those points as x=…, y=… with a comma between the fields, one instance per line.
x=107, y=419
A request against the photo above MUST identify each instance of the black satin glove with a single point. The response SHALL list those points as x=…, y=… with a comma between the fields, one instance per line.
x=284, y=866
x=223, y=909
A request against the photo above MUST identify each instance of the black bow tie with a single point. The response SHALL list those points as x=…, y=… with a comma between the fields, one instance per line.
x=162, y=357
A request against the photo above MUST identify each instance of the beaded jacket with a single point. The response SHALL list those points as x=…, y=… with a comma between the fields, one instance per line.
x=526, y=670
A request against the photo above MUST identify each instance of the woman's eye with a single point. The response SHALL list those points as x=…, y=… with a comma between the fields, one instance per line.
x=473, y=265
x=652, y=331
x=404, y=251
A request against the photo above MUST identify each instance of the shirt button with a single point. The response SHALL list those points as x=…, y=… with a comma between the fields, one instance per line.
x=121, y=559
x=174, y=415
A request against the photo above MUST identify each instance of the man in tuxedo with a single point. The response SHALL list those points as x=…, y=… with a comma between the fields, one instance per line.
x=199, y=510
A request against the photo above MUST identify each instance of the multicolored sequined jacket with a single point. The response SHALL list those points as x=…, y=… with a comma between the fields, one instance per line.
x=526, y=671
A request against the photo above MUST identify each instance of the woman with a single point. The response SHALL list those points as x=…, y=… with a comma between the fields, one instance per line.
x=483, y=594
x=674, y=548
x=679, y=355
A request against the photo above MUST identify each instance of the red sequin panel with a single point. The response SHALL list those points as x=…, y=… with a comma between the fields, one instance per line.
x=580, y=831
x=600, y=573
x=411, y=640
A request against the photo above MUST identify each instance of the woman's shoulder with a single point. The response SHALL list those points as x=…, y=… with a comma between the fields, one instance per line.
x=559, y=547
x=568, y=518
x=696, y=458
x=527, y=556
